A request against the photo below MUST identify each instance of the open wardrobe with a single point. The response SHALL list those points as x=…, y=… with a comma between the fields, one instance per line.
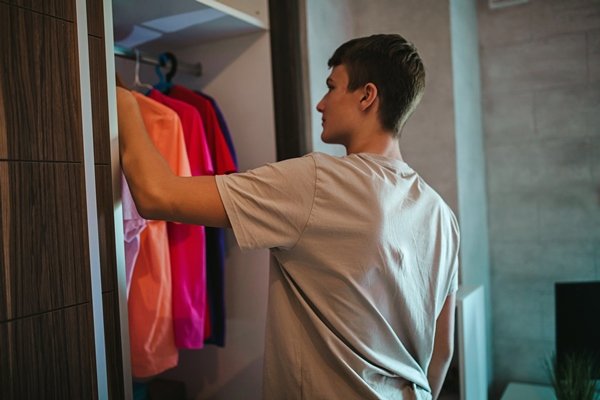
x=85, y=313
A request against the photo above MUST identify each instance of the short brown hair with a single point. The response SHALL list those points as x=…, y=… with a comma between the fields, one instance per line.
x=392, y=64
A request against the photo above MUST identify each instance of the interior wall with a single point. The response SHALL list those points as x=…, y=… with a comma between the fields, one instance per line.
x=540, y=74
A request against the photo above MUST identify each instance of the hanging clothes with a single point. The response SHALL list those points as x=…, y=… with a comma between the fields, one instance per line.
x=224, y=163
x=187, y=242
x=150, y=301
x=222, y=159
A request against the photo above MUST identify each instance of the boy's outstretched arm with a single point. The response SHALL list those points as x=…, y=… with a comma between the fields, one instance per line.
x=158, y=193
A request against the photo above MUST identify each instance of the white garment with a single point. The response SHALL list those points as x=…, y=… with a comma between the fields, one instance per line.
x=133, y=225
x=365, y=254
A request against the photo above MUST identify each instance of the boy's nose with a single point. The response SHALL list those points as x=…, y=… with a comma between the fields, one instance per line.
x=320, y=106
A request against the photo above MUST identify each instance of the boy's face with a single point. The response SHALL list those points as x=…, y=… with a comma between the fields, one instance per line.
x=339, y=108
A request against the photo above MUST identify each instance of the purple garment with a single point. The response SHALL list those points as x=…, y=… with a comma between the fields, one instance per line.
x=222, y=125
x=133, y=225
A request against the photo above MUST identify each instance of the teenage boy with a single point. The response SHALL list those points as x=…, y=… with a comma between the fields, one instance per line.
x=361, y=294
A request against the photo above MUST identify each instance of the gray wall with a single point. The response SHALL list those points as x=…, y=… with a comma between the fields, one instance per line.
x=470, y=157
x=541, y=87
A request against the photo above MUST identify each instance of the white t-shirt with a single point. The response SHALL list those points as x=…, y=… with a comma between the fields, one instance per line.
x=365, y=254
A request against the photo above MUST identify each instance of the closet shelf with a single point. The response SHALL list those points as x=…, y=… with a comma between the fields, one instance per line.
x=151, y=26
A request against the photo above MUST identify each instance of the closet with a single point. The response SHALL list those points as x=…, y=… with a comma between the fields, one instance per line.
x=232, y=49
x=63, y=310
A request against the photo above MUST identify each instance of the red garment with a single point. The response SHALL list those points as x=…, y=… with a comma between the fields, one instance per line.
x=222, y=160
x=187, y=242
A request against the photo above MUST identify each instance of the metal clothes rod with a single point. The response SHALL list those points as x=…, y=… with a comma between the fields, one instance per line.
x=194, y=69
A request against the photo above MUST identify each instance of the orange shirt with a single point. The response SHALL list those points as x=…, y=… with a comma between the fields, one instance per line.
x=150, y=298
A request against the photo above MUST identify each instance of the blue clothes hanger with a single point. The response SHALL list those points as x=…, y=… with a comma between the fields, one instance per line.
x=164, y=84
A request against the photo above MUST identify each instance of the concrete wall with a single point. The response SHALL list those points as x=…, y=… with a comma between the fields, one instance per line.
x=541, y=88
x=470, y=157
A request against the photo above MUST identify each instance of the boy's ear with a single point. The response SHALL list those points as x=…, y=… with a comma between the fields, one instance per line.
x=369, y=94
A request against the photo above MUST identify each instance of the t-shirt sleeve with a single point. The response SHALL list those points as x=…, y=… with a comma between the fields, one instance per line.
x=270, y=206
x=453, y=287
x=454, y=278
x=449, y=259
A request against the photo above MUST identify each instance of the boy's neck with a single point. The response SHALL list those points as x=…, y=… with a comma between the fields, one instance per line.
x=381, y=143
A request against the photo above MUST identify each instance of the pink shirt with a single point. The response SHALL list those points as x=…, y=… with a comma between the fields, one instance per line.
x=187, y=242
x=220, y=154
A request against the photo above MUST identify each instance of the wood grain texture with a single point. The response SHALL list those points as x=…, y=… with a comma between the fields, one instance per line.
x=99, y=93
x=106, y=227
x=64, y=9
x=3, y=126
x=39, y=83
x=112, y=338
x=4, y=238
x=44, y=238
x=95, y=17
x=48, y=356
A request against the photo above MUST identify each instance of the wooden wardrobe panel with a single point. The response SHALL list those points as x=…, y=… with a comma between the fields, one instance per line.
x=112, y=338
x=39, y=87
x=64, y=9
x=44, y=238
x=49, y=356
x=106, y=227
x=99, y=93
x=95, y=17
x=4, y=240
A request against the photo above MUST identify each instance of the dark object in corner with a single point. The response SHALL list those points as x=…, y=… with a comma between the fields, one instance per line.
x=164, y=389
x=578, y=321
